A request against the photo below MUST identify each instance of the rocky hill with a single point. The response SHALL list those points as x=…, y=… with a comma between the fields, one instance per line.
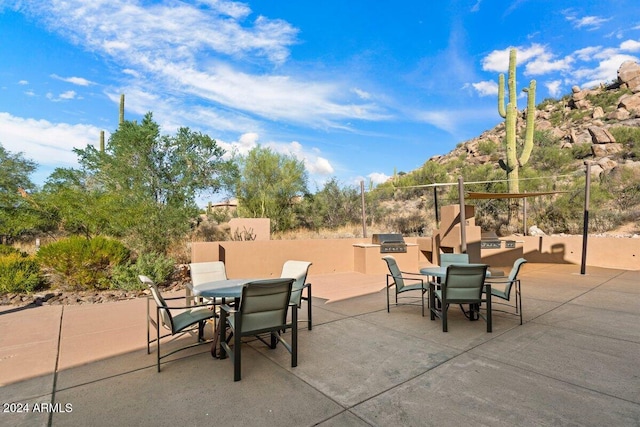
x=577, y=119
x=581, y=127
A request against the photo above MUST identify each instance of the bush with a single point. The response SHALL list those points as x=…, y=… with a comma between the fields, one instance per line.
x=19, y=274
x=81, y=263
x=156, y=266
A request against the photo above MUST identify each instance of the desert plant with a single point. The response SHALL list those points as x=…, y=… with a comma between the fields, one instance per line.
x=20, y=274
x=513, y=161
x=83, y=264
x=156, y=266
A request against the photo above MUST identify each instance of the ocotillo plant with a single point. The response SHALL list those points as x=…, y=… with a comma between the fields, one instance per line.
x=510, y=114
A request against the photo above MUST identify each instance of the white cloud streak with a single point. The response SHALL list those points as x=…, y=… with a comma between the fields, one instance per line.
x=159, y=41
x=47, y=143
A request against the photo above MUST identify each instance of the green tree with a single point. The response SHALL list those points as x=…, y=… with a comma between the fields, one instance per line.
x=20, y=214
x=267, y=186
x=335, y=206
x=151, y=181
x=79, y=203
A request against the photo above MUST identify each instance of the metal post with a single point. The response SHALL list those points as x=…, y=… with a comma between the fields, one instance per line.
x=435, y=205
x=463, y=220
x=364, y=215
x=524, y=216
x=585, y=228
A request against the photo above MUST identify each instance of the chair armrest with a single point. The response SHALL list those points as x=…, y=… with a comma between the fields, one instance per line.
x=182, y=307
x=227, y=308
x=496, y=280
x=412, y=273
x=416, y=279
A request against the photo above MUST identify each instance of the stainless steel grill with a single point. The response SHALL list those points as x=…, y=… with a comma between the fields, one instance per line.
x=390, y=243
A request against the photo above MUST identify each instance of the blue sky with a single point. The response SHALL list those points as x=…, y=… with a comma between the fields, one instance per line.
x=356, y=89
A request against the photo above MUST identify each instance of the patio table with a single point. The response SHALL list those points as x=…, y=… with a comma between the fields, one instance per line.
x=228, y=288
x=440, y=273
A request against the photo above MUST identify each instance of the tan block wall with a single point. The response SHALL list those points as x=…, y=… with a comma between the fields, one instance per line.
x=265, y=258
x=260, y=227
x=368, y=259
x=608, y=252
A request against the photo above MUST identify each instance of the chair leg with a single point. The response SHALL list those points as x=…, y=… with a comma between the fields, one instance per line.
x=222, y=326
x=387, y=294
x=236, y=357
x=148, y=331
x=445, y=309
x=310, y=326
x=158, y=337
x=432, y=302
x=519, y=300
x=294, y=337
x=489, y=318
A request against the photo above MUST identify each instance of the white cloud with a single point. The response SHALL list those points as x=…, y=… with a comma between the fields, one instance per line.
x=79, y=81
x=70, y=94
x=606, y=70
x=588, y=22
x=156, y=43
x=361, y=93
x=313, y=162
x=23, y=82
x=378, y=177
x=444, y=120
x=630, y=45
x=47, y=143
x=544, y=64
x=587, y=53
x=486, y=88
x=554, y=88
x=167, y=28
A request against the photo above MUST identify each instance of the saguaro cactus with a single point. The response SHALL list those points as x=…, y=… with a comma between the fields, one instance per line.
x=122, y=108
x=510, y=114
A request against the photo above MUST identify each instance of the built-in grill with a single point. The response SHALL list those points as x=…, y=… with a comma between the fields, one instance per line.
x=390, y=243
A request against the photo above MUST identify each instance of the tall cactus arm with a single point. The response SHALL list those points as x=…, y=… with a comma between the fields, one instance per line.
x=501, y=104
x=510, y=125
x=531, y=117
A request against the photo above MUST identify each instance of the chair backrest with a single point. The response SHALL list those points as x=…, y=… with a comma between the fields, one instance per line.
x=264, y=304
x=447, y=259
x=296, y=270
x=211, y=271
x=165, y=315
x=464, y=282
x=395, y=272
x=513, y=275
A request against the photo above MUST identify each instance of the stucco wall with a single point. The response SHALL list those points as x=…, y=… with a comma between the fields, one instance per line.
x=265, y=258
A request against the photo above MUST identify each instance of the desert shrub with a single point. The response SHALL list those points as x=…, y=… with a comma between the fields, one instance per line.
x=629, y=137
x=20, y=274
x=156, y=266
x=9, y=250
x=81, y=263
x=581, y=151
x=487, y=147
x=607, y=99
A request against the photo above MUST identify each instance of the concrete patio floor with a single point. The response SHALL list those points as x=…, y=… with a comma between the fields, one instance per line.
x=575, y=361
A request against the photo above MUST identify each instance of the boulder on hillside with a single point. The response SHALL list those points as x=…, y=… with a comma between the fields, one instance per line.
x=629, y=75
x=619, y=114
x=600, y=135
x=604, y=150
x=630, y=102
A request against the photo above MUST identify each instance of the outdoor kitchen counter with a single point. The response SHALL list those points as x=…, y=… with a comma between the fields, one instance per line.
x=368, y=259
